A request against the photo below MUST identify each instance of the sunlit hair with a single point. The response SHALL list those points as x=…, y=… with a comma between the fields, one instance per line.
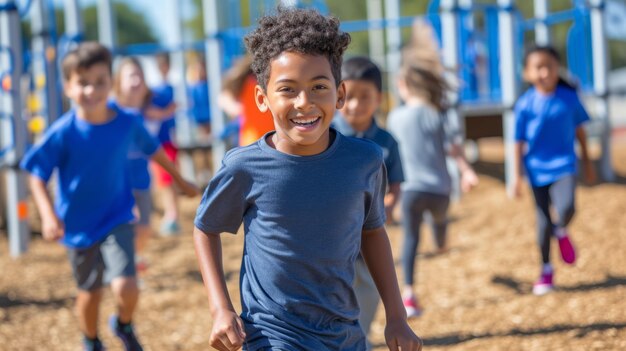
x=236, y=76
x=117, y=79
x=303, y=31
x=422, y=81
x=421, y=68
x=84, y=56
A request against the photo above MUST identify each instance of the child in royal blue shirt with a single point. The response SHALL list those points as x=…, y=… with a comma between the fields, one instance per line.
x=548, y=120
x=89, y=147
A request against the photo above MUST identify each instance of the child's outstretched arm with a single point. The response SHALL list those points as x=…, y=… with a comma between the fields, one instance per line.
x=518, y=174
x=588, y=169
x=51, y=225
x=469, y=179
x=160, y=113
x=376, y=251
x=162, y=159
x=228, y=331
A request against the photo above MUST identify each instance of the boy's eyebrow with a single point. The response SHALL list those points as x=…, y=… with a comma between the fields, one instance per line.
x=287, y=80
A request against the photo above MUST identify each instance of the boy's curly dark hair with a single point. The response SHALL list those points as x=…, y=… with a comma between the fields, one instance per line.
x=303, y=31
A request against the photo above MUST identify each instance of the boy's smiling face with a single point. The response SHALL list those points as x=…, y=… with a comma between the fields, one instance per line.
x=89, y=88
x=302, y=95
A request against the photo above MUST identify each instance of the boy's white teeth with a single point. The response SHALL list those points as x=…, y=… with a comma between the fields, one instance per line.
x=305, y=121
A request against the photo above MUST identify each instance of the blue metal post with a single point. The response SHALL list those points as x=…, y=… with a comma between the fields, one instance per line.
x=44, y=62
x=600, y=83
x=13, y=130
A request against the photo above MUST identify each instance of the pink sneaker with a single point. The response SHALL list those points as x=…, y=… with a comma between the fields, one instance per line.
x=412, y=307
x=543, y=285
x=568, y=253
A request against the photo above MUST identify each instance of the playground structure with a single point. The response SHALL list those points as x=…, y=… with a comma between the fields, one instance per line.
x=483, y=102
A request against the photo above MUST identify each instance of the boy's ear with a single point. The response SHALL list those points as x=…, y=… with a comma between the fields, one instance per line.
x=260, y=99
x=341, y=95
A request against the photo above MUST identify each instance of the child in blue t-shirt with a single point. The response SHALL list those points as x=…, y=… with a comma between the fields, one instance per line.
x=363, y=81
x=310, y=200
x=89, y=146
x=548, y=120
x=163, y=97
x=131, y=93
x=200, y=112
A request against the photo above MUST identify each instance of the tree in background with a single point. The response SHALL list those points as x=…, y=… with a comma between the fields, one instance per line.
x=131, y=24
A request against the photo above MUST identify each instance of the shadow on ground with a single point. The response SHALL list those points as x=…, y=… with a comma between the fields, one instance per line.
x=524, y=288
x=581, y=331
x=9, y=302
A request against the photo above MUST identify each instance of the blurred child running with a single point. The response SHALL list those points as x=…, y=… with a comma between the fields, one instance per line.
x=363, y=82
x=199, y=110
x=549, y=118
x=310, y=200
x=92, y=214
x=163, y=97
x=426, y=136
x=132, y=94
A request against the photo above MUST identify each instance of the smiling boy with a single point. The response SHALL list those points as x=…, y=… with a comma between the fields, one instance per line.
x=310, y=200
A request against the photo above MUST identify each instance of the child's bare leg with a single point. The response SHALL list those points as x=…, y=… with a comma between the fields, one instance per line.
x=143, y=233
x=87, y=308
x=170, y=203
x=126, y=294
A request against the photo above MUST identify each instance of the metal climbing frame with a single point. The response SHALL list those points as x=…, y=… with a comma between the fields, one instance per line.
x=12, y=127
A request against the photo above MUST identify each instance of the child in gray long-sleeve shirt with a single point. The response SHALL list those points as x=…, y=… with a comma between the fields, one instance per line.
x=425, y=137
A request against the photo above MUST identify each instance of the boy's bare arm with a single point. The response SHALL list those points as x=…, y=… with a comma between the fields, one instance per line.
x=228, y=330
x=51, y=226
x=588, y=169
x=161, y=158
x=376, y=251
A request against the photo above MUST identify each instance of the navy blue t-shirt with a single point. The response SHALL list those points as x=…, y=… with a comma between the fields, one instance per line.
x=382, y=138
x=303, y=217
x=547, y=123
x=93, y=190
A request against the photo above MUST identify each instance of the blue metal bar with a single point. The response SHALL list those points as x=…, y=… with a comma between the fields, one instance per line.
x=552, y=19
x=491, y=18
x=364, y=25
x=466, y=62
